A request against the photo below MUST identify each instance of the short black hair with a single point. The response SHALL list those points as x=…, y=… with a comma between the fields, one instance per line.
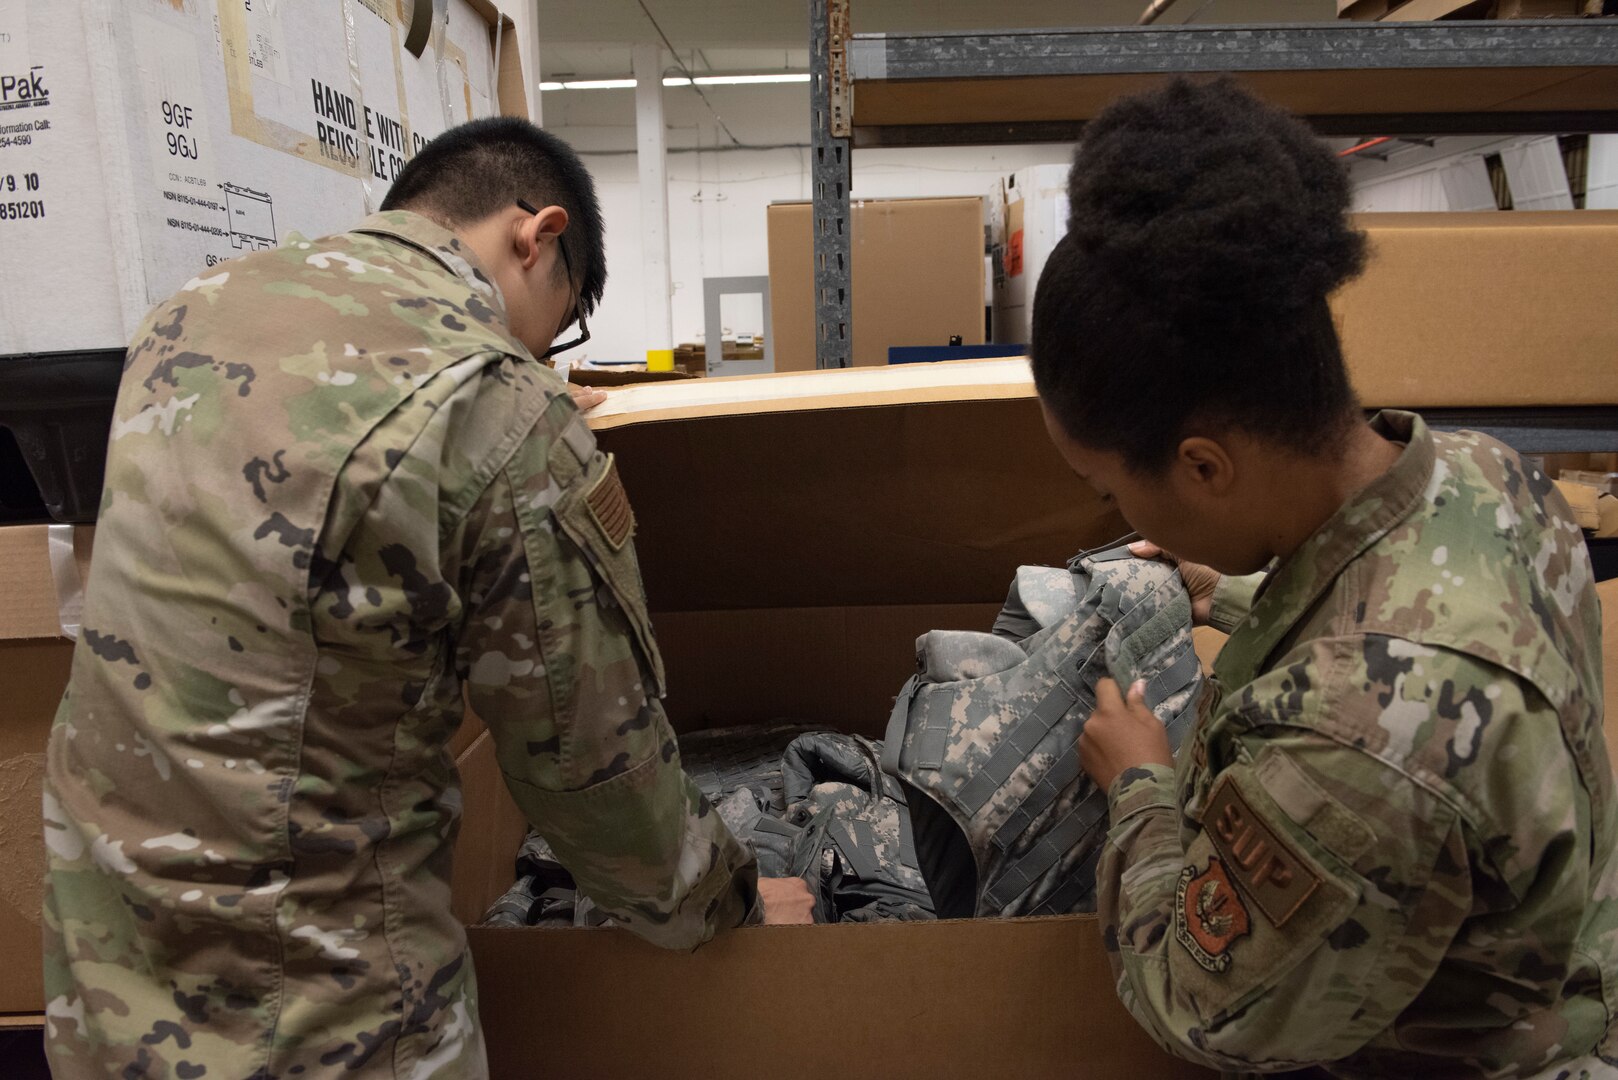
x=1206, y=231
x=481, y=167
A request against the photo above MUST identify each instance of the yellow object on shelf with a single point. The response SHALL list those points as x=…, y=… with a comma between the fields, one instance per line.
x=659, y=359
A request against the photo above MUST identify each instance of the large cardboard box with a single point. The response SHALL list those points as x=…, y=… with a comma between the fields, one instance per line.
x=918, y=277
x=34, y=660
x=1483, y=309
x=143, y=141
x=823, y=570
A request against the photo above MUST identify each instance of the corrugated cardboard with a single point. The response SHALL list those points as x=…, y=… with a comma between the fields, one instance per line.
x=142, y=143
x=1483, y=309
x=1024, y=998
x=34, y=660
x=918, y=277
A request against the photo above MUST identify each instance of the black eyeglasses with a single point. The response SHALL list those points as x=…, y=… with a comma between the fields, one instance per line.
x=578, y=310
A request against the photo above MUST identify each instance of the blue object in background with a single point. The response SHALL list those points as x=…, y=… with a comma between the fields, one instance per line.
x=926, y=354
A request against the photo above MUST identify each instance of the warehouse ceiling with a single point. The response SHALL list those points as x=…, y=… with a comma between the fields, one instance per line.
x=591, y=38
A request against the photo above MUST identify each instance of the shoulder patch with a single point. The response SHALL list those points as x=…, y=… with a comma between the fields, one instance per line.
x=609, y=506
x=1269, y=871
x=1210, y=915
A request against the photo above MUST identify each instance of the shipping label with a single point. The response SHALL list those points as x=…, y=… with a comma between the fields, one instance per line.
x=266, y=40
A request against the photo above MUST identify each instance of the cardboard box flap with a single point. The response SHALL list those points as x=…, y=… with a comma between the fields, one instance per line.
x=1026, y=998
x=32, y=597
x=919, y=484
x=804, y=391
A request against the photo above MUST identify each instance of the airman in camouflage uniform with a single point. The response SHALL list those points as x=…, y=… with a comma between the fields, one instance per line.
x=301, y=566
x=1390, y=844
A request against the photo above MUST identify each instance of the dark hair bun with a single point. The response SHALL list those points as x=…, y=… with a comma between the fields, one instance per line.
x=1207, y=230
x=1213, y=203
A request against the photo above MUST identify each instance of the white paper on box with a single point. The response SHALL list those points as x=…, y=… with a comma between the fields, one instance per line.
x=175, y=114
x=57, y=281
x=178, y=136
x=266, y=41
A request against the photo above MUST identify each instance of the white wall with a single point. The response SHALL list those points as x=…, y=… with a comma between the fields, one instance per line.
x=717, y=200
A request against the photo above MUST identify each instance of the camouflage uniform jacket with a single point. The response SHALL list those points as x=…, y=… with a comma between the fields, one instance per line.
x=340, y=495
x=1390, y=845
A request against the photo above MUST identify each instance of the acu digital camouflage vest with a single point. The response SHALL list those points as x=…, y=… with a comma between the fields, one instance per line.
x=985, y=737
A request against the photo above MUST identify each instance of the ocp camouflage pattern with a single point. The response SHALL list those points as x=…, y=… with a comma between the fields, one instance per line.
x=340, y=496
x=1406, y=781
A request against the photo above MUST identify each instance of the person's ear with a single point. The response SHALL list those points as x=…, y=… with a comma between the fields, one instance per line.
x=533, y=232
x=1205, y=465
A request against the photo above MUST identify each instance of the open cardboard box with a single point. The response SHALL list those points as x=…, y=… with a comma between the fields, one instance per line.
x=796, y=533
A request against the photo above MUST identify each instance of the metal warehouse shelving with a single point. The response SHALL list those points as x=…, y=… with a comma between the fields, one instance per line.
x=1345, y=78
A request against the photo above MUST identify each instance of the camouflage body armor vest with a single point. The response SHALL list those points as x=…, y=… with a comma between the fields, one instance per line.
x=984, y=738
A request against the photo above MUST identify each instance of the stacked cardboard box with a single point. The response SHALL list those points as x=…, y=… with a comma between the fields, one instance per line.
x=917, y=277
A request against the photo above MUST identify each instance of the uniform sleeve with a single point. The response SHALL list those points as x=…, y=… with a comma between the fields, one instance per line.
x=1311, y=889
x=559, y=662
x=1233, y=601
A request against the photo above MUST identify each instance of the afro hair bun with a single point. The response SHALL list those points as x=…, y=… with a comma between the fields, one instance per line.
x=1215, y=204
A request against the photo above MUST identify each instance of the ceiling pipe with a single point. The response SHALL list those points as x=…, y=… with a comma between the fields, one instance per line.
x=1153, y=10
x=1366, y=145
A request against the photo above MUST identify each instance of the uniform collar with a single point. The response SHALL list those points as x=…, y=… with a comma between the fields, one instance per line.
x=439, y=244
x=1308, y=573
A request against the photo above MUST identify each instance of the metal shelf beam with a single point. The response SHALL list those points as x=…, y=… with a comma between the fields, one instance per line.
x=1495, y=77
x=1340, y=46
x=1535, y=430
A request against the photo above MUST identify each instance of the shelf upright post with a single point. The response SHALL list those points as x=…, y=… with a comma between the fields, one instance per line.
x=830, y=124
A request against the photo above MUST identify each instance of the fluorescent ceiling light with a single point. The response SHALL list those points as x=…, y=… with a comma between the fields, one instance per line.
x=590, y=84
x=741, y=80
x=701, y=80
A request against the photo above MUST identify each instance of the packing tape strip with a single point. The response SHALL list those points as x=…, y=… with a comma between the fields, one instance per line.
x=440, y=35
x=65, y=574
x=351, y=45
x=494, y=64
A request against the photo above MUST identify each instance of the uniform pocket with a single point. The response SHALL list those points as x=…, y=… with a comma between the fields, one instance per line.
x=596, y=515
x=1257, y=896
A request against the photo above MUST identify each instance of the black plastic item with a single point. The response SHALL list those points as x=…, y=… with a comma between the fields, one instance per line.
x=1604, y=557
x=58, y=409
